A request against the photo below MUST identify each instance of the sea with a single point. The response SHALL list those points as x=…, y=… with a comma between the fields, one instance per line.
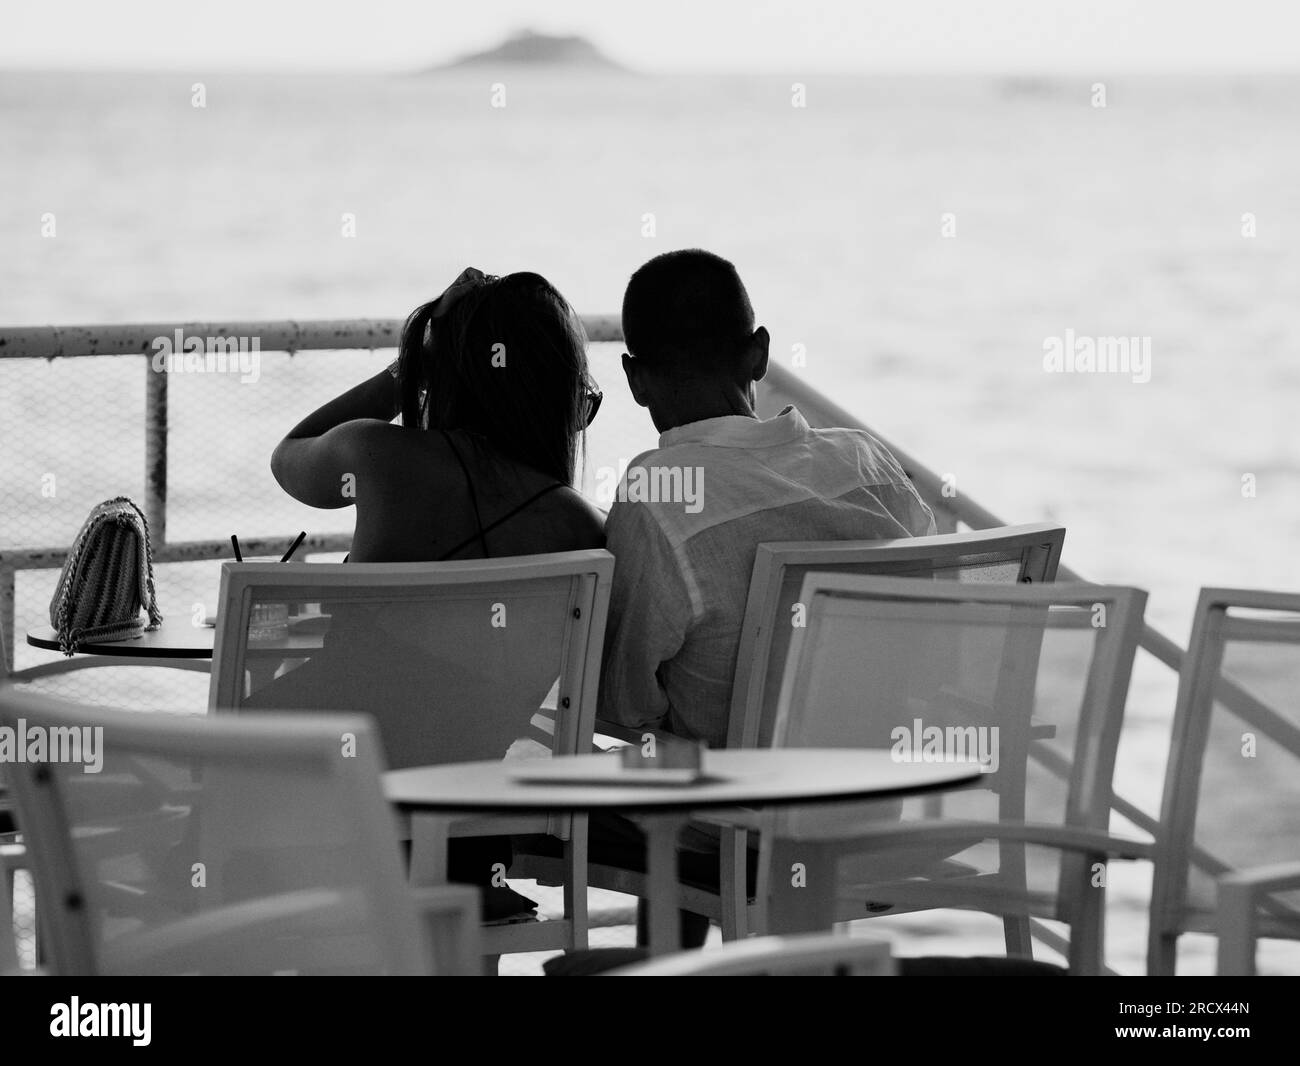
x=926, y=251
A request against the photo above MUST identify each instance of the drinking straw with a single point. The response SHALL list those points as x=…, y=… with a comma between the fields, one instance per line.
x=234, y=543
x=294, y=546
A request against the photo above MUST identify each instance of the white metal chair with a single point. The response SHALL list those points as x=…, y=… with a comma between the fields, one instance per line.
x=1231, y=806
x=452, y=659
x=13, y=855
x=933, y=670
x=8, y=950
x=223, y=846
x=1241, y=897
x=1026, y=554
x=821, y=955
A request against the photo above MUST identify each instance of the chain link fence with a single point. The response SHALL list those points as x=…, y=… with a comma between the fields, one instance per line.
x=72, y=434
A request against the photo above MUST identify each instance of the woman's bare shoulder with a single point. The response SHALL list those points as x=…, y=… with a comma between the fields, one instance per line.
x=585, y=520
x=405, y=458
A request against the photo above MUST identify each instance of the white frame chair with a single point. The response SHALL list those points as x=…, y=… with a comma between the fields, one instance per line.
x=1200, y=684
x=8, y=949
x=412, y=924
x=1038, y=545
x=1086, y=833
x=1240, y=895
x=13, y=855
x=591, y=575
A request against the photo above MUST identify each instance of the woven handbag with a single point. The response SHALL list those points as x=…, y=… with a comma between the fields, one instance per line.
x=107, y=579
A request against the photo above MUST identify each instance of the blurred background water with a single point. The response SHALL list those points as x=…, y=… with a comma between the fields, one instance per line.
x=1124, y=220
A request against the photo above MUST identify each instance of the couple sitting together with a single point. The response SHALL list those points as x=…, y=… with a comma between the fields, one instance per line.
x=483, y=465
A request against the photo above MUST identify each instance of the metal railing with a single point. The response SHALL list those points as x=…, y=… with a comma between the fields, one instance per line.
x=780, y=386
x=139, y=339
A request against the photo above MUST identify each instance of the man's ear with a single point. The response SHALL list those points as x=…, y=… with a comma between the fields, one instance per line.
x=633, y=374
x=758, y=345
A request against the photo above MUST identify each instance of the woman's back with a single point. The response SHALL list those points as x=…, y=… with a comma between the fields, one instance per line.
x=423, y=496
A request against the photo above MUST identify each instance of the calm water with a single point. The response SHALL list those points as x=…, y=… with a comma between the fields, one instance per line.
x=1118, y=221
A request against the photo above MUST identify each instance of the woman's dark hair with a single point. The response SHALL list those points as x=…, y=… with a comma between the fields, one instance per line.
x=508, y=365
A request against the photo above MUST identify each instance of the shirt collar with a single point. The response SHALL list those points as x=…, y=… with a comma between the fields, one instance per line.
x=737, y=431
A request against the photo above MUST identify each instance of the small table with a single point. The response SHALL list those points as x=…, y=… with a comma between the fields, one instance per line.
x=179, y=644
x=766, y=777
x=176, y=638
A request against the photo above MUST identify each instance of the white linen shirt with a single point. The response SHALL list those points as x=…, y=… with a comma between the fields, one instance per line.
x=682, y=570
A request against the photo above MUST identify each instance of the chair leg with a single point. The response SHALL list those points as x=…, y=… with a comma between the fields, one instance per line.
x=732, y=875
x=802, y=891
x=1019, y=942
x=1162, y=955
x=693, y=929
x=1088, y=934
x=575, y=884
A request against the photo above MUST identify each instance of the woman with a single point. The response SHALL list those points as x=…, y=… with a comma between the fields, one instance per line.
x=491, y=383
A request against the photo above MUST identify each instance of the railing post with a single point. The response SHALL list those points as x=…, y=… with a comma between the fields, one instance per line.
x=7, y=635
x=155, y=452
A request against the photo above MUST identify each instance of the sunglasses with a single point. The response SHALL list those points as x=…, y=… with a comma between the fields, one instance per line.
x=594, y=396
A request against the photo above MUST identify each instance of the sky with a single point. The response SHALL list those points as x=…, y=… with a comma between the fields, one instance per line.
x=781, y=36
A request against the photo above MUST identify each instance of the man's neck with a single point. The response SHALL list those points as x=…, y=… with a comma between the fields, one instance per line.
x=701, y=403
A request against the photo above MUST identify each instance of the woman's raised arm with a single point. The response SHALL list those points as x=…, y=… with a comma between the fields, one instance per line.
x=312, y=462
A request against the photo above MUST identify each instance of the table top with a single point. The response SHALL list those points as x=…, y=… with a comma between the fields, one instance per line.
x=176, y=638
x=749, y=777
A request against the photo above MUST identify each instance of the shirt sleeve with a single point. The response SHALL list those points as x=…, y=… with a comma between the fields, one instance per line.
x=649, y=617
x=920, y=516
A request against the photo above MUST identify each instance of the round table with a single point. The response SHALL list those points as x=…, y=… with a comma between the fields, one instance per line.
x=179, y=644
x=176, y=638
x=766, y=777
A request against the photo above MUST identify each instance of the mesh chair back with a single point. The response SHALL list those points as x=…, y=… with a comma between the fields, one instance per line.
x=1232, y=786
x=1027, y=554
x=164, y=844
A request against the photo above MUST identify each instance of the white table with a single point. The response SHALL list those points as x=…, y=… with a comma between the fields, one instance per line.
x=766, y=777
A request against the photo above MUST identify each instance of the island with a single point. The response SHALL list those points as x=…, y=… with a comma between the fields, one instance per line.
x=527, y=48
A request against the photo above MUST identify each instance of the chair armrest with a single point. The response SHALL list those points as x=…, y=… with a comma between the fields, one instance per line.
x=629, y=734
x=732, y=818
x=859, y=956
x=228, y=935
x=545, y=724
x=1067, y=838
x=13, y=857
x=1239, y=896
x=622, y=736
x=450, y=916
x=1263, y=880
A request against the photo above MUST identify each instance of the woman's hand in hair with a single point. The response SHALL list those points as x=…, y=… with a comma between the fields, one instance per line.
x=467, y=281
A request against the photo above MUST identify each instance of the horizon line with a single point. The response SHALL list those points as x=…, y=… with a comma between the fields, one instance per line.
x=1039, y=73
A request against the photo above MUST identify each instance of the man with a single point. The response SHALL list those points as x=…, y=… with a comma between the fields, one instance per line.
x=682, y=576
x=688, y=518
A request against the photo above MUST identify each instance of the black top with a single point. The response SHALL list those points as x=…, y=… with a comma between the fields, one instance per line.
x=481, y=535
